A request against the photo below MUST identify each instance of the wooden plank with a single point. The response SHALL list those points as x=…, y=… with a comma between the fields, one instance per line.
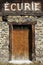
x=20, y=43
x=33, y=42
x=23, y=23
x=10, y=41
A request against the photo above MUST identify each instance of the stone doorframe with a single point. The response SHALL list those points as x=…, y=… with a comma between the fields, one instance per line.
x=33, y=36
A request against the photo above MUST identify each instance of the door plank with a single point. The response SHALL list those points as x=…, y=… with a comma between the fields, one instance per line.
x=20, y=44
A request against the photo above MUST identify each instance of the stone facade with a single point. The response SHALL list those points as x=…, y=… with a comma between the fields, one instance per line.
x=39, y=39
x=4, y=41
x=4, y=37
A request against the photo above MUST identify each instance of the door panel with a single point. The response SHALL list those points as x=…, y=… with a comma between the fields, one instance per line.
x=20, y=44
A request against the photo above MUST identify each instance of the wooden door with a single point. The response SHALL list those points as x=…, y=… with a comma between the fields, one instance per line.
x=20, y=44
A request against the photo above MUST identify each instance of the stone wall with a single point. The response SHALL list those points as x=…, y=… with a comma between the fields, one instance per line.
x=39, y=39
x=4, y=41
x=4, y=37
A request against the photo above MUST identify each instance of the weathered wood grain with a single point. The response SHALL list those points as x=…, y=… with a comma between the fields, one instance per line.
x=20, y=44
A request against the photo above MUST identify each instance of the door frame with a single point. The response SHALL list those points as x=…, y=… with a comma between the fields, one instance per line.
x=33, y=37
